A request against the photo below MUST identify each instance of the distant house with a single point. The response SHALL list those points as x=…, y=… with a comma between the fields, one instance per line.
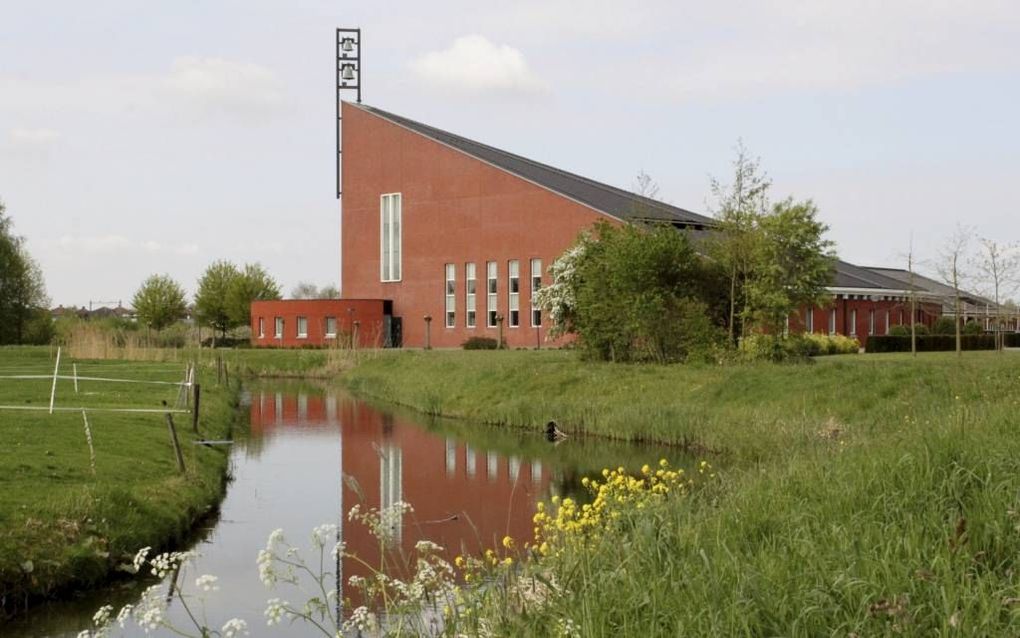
x=104, y=312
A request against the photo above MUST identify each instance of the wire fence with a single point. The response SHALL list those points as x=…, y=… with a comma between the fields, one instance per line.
x=185, y=384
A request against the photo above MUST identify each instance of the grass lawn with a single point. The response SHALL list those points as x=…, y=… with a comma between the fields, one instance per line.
x=63, y=527
x=861, y=495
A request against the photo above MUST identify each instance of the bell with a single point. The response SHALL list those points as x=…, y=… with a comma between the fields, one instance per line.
x=347, y=72
x=347, y=45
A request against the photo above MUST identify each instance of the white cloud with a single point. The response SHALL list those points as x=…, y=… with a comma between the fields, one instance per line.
x=33, y=136
x=475, y=64
x=200, y=86
x=217, y=84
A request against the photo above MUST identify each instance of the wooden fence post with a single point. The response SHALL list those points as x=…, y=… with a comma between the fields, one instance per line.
x=174, y=441
x=194, y=411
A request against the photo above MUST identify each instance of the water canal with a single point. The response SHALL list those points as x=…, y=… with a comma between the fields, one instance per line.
x=312, y=452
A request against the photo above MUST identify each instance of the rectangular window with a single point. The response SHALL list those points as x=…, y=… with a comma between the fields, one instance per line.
x=536, y=285
x=471, y=290
x=389, y=237
x=391, y=491
x=871, y=322
x=451, y=295
x=832, y=321
x=492, y=293
x=809, y=320
x=886, y=323
x=278, y=333
x=853, y=322
x=302, y=327
x=331, y=327
x=514, y=302
x=262, y=328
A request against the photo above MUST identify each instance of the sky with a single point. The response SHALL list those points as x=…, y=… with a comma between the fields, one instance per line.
x=156, y=137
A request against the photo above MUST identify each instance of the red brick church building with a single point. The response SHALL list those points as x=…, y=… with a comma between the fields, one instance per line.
x=444, y=239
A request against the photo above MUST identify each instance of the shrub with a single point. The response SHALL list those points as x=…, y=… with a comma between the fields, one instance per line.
x=796, y=347
x=904, y=331
x=944, y=326
x=973, y=328
x=481, y=343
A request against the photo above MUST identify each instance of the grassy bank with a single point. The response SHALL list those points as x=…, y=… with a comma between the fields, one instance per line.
x=63, y=526
x=860, y=495
x=753, y=411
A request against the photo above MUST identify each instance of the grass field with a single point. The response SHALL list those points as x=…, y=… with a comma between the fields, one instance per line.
x=63, y=527
x=860, y=496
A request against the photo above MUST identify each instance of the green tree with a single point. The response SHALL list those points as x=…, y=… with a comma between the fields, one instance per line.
x=22, y=289
x=253, y=284
x=212, y=307
x=738, y=208
x=631, y=293
x=159, y=302
x=792, y=265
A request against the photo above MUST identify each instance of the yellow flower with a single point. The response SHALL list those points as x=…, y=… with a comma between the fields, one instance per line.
x=508, y=542
x=645, y=469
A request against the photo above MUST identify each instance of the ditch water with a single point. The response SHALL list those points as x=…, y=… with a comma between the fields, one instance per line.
x=313, y=452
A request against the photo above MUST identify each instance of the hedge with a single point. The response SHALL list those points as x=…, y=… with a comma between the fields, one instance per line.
x=932, y=343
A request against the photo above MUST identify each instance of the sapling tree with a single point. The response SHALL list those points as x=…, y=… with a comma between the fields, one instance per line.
x=952, y=268
x=253, y=284
x=22, y=290
x=738, y=208
x=998, y=265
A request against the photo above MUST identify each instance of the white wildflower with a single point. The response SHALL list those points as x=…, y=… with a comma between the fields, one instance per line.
x=139, y=558
x=234, y=627
x=267, y=574
x=427, y=547
x=276, y=609
x=338, y=550
x=102, y=615
x=323, y=534
x=207, y=582
x=275, y=537
x=361, y=619
x=124, y=614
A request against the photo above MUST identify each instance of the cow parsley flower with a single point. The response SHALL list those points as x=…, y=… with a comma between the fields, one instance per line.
x=234, y=627
x=276, y=609
x=207, y=582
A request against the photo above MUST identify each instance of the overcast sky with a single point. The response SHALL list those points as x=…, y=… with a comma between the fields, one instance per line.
x=141, y=137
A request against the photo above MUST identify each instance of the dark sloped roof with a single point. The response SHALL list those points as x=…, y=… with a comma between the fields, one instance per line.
x=602, y=197
x=930, y=285
x=850, y=276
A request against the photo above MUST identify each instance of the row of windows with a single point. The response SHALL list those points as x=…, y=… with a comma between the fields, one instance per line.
x=809, y=321
x=513, y=316
x=301, y=331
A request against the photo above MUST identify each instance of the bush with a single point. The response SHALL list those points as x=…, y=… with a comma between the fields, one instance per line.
x=973, y=328
x=481, y=343
x=904, y=331
x=794, y=347
x=944, y=326
x=930, y=343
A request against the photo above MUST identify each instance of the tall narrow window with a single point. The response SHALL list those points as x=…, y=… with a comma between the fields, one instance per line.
x=871, y=322
x=832, y=321
x=536, y=285
x=330, y=327
x=853, y=322
x=809, y=320
x=514, y=301
x=262, y=327
x=302, y=327
x=278, y=326
x=492, y=290
x=451, y=295
x=471, y=288
x=389, y=237
x=886, y=331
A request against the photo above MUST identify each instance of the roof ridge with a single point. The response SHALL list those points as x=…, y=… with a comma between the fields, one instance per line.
x=615, y=190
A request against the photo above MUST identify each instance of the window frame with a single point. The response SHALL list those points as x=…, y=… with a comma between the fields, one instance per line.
x=536, y=285
x=297, y=327
x=330, y=334
x=391, y=237
x=491, y=293
x=278, y=326
x=513, y=302
x=450, y=295
x=832, y=321
x=470, y=294
x=853, y=322
x=262, y=327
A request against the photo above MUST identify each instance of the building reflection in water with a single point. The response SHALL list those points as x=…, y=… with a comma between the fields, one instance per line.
x=386, y=459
